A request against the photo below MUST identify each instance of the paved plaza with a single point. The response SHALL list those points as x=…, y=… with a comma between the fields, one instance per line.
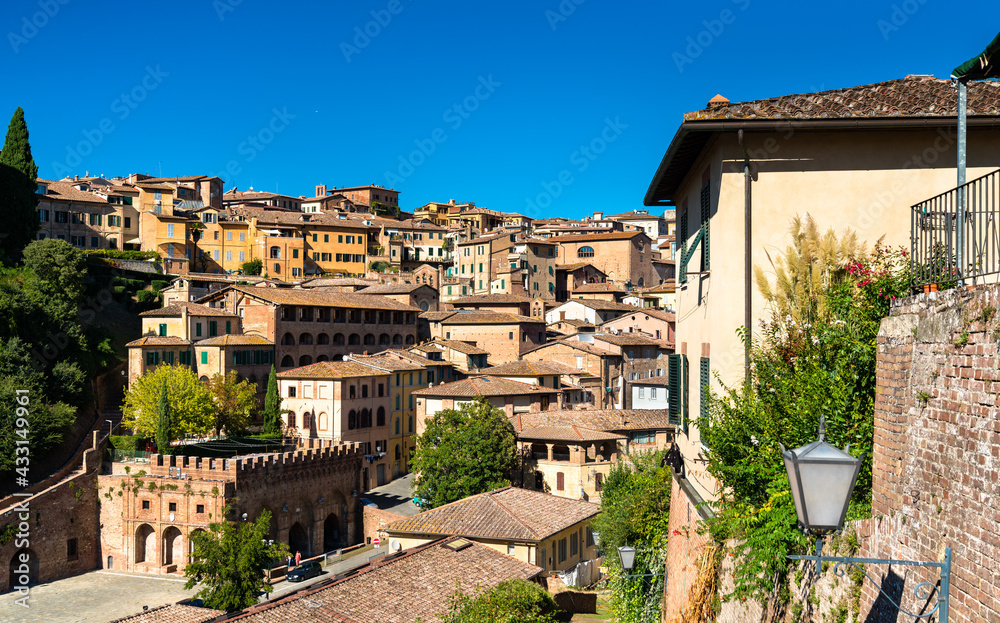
x=95, y=597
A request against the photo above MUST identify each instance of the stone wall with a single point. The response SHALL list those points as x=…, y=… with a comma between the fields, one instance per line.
x=937, y=448
x=375, y=519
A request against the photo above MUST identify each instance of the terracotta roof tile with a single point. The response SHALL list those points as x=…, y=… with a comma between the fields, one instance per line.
x=484, y=386
x=385, y=362
x=393, y=288
x=599, y=287
x=490, y=299
x=611, y=235
x=236, y=340
x=527, y=368
x=462, y=347
x=508, y=513
x=418, y=584
x=913, y=96
x=156, y=340
x=604, y=305
x=193, y=309
x=332, y=370
x=488, y=317
x=566, y=433
x=320, y=298
x=64, y=191
x=172, y=613
x=598, y=419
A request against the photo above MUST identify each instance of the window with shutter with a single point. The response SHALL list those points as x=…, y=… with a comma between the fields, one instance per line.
x=684, y=394
x=674, y=385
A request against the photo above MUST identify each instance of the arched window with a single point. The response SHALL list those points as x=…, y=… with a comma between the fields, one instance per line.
x=641, y=282
x=291, y=419
x=397, y=340
x=275, y=253
x=383, y=339
x=322, y=338
x=380, y=417
x=410, y=339
x=369, y=339
x=424, y=306
x=322, y=358
x=354, y=339
x=585, y=252
x=287, y=361
x=288, y=340
x=352, y=420
x=322, y=421
x=338, y=339
x=366, y=419
x=305, y=360
x=306, y=338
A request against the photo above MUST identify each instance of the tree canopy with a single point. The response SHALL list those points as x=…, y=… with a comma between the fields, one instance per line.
x=18, y=182
x=234, y=402
x=229, y=561
x=462, y=452
x=191, y=407
x=511, y=601
x=272, y=405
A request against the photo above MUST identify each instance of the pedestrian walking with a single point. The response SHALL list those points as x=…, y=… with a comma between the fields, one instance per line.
x=298, y=558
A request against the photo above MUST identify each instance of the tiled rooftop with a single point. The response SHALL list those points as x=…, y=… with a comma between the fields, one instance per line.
x=913, y=96
x=156, y=340
x=416, y=585
x=460, y=346
x=489, y=299
x=604, y=305
x=322, y=298
x=386, y=362
x=193, y=309
x=236, y=340
x=332, y=370
x=508, y=513
x=483, y=386
x=64, y=191
x=527, y=368
x=566, y=433
x=172, y=613
x=597, y=419
x=393, y=288
x=488, y=317
x=611, y=235
x=599, y=287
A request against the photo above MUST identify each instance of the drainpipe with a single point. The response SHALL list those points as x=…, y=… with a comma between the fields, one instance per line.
x=747, y=283
x=960, y=226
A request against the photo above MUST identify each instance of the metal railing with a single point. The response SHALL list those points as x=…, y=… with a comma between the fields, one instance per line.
x=955, y=236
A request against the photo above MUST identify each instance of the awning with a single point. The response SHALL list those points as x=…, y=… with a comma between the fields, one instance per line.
x=133, y=241
x=986, y=65
x=271, y=232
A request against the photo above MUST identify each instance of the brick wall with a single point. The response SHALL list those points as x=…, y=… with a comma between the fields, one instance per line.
x=375, y=519
x=936, y=460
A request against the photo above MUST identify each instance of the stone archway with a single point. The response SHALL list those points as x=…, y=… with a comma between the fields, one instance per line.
x=145, y=544
x=173, y=546
x=191, y=544
x=298, y=540
x=23, y=569
x=332, y=534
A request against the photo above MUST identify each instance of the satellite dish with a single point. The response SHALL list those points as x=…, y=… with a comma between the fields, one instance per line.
x=394, y=545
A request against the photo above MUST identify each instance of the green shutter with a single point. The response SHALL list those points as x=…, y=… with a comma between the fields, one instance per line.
x=706, y=377
x=197, y=329
x=229, y=327
x=706, y=210
x=204, y=357
x=213, y=329
x=674, y=380
x=163, y=330
x=682, y=231
x=684, y=394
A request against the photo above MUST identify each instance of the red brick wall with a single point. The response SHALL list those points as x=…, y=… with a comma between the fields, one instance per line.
x=936, y=460
x=375, y=519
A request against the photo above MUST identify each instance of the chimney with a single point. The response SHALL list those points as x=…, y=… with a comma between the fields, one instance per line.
x=717, y=102
x=76, y=178
x=321, y=190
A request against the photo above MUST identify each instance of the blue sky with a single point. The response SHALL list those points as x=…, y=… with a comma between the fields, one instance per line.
x=546, y=108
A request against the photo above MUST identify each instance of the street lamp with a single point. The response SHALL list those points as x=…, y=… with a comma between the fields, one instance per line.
x=822, y=479
x=626, y=553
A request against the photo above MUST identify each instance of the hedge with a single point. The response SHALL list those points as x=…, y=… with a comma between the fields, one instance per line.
x=115, y=254
x=146, y=296
x=125, y=442
x=159, y=284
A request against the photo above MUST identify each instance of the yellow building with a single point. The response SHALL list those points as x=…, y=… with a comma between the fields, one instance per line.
x=533, y=527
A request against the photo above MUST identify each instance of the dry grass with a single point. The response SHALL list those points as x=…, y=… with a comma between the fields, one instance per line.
x=704, y=592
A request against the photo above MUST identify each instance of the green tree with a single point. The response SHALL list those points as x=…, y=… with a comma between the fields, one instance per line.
x=462, y=452
x=60, y=266
x=191, y=407
x=18, y=183
x=235, y=402
x=272, y=405
x=163, y=422
x=635, y=511
x=511, y=601
x=253, y=267
x=230, y=560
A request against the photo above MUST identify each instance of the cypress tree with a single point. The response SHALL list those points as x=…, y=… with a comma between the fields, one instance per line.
x=272, y=405
x=18, y=182
x=163, y=423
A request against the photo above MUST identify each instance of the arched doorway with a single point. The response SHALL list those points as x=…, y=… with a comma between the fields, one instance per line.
x=145, y=543
x=331, y=533
x=298, y=540
x=191, y=544
x=173, y=549
x=23, y=573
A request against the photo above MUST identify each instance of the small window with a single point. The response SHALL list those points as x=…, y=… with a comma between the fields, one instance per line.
x=145, y=505
x=291, y=391
x=172, y=506
x=560, y=481
x=510, y=549
x=71, y=549
x=200, y=509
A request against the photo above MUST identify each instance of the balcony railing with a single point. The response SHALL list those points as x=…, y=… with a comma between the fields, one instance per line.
x=946, y=247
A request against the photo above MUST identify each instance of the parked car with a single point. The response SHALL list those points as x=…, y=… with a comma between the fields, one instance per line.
x=304, y=571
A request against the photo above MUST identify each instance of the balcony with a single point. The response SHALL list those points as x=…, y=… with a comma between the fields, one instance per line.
x=946, y=248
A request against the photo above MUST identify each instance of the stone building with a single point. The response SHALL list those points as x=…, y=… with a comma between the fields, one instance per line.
x=147, y=516
x=312, y=325
x=626, y=257
x=511, y=397
x=504, y=336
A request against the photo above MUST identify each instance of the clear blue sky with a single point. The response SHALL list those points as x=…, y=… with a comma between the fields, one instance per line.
x=289, y=95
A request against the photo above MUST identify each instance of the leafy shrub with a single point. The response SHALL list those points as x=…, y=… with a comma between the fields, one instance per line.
x=146, y=296
x=159, y=284
x=116, y=254
x=125, y=442
x=511, y=600
x=119, y=289
x=253, y=267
